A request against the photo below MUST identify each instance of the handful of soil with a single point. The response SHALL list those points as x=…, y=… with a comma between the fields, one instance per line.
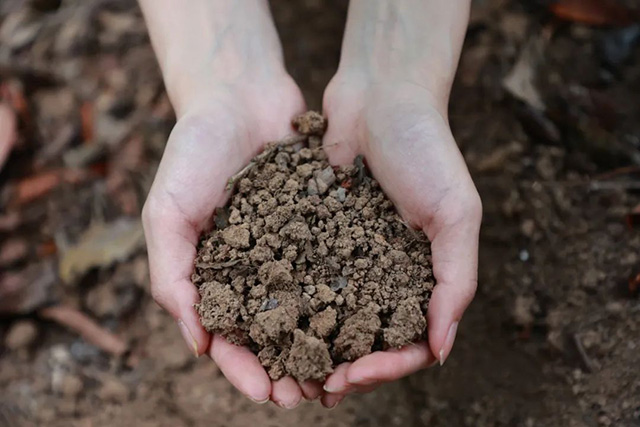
x=310, y=265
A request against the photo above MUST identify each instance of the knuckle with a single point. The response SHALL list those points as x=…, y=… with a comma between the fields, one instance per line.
x=475, y=206
x=468, y=292
x=149, y=212
x=465, y=209
x=159, y=295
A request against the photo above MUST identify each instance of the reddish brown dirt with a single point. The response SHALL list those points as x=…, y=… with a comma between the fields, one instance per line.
x=552, y=336
x=309, y=265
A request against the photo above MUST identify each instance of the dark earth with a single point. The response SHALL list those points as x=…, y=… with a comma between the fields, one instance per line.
x=545, y=111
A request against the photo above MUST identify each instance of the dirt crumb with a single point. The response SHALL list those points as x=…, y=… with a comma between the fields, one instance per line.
x=357, y=335
x=309, y=270
x=21, y=335
x=324, y=323
x=310, y=123
x=236, y=236
x=407, y=324
x=309, y=358
x=219, y=309
x=273, y=326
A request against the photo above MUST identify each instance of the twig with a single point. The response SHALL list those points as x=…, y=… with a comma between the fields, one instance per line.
x=86, y=327
x=616, y=172
x=271, y=148
x=238, y=176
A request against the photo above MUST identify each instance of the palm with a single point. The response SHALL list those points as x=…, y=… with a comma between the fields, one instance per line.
x=211, y=142
x=409, y=148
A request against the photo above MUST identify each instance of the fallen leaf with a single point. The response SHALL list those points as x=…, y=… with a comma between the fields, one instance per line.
x=520, y=82
x=47, y=248
x=26, y=290
x=35, y=186
x=7, y=132
x=19, y=29
x=86, y=118
x=101, y=245
x=593, y=12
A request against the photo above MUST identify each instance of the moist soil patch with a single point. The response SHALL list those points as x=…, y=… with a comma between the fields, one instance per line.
x=309, y=265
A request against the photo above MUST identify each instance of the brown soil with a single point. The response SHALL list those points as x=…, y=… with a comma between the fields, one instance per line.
x=309, y=265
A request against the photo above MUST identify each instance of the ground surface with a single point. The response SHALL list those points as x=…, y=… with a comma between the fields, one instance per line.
x=552, y=337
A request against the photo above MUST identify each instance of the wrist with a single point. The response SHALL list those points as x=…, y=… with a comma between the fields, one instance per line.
x=211, y=80
x=413, y=42
x=212, y=44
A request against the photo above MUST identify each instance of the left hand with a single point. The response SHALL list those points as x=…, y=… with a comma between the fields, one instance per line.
x=404, y=135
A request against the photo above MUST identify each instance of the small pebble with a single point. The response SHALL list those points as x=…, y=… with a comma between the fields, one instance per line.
x=339, y=283
x=114, y=390
x=269, y=304
x=71, y=386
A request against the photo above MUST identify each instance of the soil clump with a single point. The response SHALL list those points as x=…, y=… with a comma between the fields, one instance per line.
x=309, y=265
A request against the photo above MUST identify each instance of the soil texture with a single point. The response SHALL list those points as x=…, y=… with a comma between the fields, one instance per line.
x=309, y=265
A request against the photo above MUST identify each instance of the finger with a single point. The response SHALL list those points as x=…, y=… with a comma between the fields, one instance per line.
x=337, y=381
x=286, y=393
x=330, y=401
x=342, y=121
x=242, y=368
x=171, y=247
x=311, y=390
x=454, y=247
x=384, y=366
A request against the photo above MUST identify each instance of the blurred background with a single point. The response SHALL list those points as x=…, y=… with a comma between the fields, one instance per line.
x=545, y=109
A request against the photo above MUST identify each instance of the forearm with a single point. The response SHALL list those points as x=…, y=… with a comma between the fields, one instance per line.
x=411, y=40
x=203, y=41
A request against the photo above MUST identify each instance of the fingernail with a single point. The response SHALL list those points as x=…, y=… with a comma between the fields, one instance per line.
x=448, y=343
x=334, y=389
x=188, y=338
x=335, y=404
x=259, y=402
x=290, y=405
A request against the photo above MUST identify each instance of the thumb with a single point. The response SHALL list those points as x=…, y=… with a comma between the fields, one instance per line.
x=171, y=244
x=454, y=248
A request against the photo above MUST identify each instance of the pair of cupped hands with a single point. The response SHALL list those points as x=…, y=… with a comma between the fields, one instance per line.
x=402, y=130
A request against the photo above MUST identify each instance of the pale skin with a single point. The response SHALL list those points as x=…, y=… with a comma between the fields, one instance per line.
x=224, y=71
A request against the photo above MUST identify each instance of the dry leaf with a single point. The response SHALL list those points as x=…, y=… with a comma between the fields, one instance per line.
x=101, y=245
x=520, y=82
x=28, y=289
x=593, y=12
x=36, y=186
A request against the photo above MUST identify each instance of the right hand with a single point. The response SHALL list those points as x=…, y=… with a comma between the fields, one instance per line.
x=218, y=131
